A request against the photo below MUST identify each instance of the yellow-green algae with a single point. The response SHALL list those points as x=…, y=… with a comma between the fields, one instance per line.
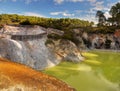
x=99, y=72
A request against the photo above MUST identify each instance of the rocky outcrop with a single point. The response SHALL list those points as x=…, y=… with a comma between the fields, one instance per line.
x=27, y=46
x=22, y=30
x=77, y=35
x=17, y=77
x=65, y=50
x=32, y=53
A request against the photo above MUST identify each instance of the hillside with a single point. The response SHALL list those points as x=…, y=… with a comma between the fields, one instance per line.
x=17, y=77
x=62, y=23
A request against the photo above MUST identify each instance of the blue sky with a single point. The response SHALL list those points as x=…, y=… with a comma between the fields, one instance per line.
x=81, y=9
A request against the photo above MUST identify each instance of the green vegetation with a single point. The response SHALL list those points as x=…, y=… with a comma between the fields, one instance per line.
x=99, y=72
x=101, y=18
x=66, y=24
x=112, y=23
x=113, y=20
x=49, y=41
x=115, y=13
x=62, y=24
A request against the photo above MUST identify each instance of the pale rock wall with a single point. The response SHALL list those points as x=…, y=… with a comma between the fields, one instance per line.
x=65, y=50
x=26, y=46
x=33, y=53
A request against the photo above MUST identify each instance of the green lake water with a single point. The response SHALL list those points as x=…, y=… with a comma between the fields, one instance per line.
x=99, y=72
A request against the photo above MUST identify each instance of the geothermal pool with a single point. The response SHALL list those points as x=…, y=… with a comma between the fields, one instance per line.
x=99, y=72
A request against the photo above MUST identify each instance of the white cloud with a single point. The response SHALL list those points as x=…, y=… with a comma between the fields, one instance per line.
x=67, y=14
x=92, y=1
x=109, y=5
x=90, y=18
x=90, y=11
x=64, y=13
x=58, y=1
x=33, y=14
x=75, y=0
x=107, y=15
x=55, y=13
x=98, y=5
x=30, y=1
x=61, y=1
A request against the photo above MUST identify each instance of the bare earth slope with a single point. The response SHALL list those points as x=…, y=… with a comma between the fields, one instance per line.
x=17, y=77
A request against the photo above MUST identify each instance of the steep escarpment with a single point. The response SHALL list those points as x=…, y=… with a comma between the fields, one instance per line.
x=33, y=53
x=17, y=77
x=26, y=45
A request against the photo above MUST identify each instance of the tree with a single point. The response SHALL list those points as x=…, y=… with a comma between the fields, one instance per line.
x=61, y=24
x=101, y=18
x=110, y=21
x=115, y=13
x=4, y=19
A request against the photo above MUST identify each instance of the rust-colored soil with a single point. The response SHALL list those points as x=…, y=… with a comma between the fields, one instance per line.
x=17, y=77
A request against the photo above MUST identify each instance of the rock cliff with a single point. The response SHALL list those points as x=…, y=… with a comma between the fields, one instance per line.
x=65, y=50
x=26, y=45
x=32, y=53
